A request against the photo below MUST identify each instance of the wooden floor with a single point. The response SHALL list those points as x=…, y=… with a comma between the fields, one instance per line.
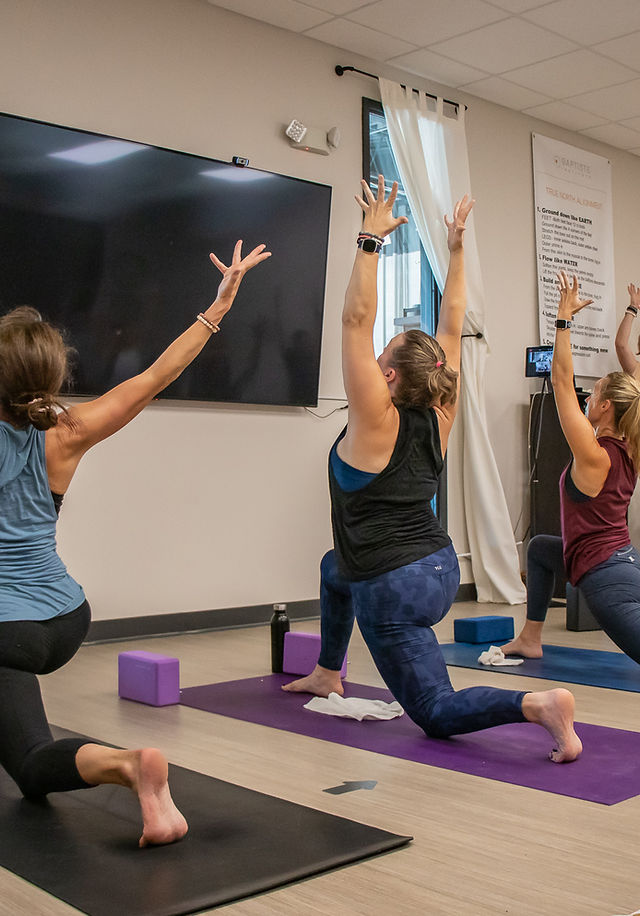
x=481, y=848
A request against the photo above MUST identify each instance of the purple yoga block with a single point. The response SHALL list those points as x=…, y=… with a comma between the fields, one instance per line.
x=149, y=678
x=301, y=652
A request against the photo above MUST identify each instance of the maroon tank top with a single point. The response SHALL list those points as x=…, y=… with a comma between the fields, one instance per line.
x=594, y=527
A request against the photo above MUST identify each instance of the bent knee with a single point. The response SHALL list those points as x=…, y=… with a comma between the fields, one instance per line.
x=431, y=723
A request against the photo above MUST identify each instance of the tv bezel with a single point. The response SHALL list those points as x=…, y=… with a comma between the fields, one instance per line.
x=231, y=164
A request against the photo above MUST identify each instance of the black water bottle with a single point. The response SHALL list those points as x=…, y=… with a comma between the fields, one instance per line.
x=279, y=626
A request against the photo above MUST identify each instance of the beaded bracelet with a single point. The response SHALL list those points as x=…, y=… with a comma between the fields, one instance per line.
x=214, y=328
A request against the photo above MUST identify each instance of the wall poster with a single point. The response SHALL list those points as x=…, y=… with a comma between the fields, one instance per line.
x=574, y=232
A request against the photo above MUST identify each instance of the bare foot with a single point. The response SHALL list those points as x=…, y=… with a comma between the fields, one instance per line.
x=523, y=647
x=162, y=822
x=553, y=709
x=321, y=682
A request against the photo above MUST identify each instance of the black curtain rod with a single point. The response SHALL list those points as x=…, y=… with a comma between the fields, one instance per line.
x=342, y=70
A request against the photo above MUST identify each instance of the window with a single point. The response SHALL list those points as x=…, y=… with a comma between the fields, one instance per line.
x=408, y=296
x=407, y=291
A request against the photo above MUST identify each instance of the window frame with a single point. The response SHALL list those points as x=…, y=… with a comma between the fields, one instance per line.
x=430, y=296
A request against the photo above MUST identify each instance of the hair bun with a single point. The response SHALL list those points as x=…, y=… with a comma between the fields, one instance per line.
x=41, y=411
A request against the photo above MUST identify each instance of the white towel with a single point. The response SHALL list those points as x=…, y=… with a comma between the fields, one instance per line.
x=496, y=657
x=354, y=707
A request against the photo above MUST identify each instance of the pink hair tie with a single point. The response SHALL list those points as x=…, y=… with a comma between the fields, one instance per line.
x=438, y=364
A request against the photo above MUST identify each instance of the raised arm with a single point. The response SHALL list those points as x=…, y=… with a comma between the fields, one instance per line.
x=453, y=305
x=625, y=354
x=591, y=462
x=370, y=407
x=93, y=421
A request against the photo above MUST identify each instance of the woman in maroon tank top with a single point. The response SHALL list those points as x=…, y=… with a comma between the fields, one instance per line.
x=594, y=551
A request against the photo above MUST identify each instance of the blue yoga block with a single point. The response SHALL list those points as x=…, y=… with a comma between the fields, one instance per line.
x=482, y=629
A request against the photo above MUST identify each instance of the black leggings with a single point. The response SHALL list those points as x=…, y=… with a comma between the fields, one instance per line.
x=27, y=750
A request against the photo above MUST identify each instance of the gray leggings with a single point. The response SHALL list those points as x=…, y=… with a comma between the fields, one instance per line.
x=611, y=589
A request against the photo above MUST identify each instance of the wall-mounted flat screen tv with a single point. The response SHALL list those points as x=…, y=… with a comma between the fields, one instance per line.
x=110, y=240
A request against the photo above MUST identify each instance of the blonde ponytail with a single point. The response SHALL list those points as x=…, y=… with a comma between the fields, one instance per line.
x=623, y=391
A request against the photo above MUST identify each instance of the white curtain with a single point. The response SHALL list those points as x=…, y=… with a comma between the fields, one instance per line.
x=431, y=152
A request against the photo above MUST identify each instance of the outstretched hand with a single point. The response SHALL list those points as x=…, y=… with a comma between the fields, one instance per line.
x=570, y=302
x=456, y=225
x=634, y=295
x=378, y=212
x=233, y=274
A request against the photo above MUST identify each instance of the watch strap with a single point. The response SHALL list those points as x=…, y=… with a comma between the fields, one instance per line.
x=369, y=243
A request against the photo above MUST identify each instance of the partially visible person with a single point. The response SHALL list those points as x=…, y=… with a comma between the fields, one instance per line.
x=625, y=354
x=44, y=615
x=596, y=487
x=394, y=568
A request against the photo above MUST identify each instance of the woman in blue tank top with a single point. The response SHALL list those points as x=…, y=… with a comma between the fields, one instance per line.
x=393, y=567
x=43, y=613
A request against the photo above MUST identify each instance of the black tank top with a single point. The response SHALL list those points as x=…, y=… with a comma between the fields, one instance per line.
x=389, y=522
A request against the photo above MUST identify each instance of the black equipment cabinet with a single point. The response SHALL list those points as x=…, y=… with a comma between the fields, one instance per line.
x=553, y=455
x=549, y=454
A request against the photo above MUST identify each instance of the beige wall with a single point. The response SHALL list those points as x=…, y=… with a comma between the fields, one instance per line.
x=195, y=507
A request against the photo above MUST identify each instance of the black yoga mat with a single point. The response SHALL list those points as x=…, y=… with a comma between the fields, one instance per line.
x=82, y=846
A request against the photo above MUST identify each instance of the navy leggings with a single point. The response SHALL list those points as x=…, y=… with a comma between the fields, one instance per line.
x=395, y=613
x=611, y=589
x=28, y=752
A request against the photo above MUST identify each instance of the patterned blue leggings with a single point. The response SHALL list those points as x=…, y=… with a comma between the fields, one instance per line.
x=395, y=613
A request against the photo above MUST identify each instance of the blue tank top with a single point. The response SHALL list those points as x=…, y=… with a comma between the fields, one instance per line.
x=34, y=582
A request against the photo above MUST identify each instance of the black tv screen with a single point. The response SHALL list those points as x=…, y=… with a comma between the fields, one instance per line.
x=110, y=240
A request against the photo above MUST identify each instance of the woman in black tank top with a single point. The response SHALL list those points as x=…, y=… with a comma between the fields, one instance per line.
x=393, y=567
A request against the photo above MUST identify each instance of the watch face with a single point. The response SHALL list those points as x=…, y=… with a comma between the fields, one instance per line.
x=369, y=245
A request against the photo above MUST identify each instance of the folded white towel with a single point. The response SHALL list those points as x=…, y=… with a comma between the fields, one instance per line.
x=354, y=707
x=496, y=657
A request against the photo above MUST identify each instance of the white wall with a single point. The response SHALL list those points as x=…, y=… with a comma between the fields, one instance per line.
x=195, y=507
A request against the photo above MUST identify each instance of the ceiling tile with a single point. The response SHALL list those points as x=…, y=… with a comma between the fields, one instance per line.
x=426, y=21
x=357, y=38
x=504, y=93
x=337, y=7
x=433, y=66
x=518, y=6
x=624, y=50
x=588, y=21
x=287, y=14
x=565, y=116
x=579, y=71
x=616, y=103
x=504, y=45
x=615, y=135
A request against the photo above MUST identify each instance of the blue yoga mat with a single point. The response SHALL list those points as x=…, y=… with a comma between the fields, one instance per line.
x=558, y=663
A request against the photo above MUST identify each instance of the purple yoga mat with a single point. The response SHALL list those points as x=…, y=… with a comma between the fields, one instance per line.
x=606, y=773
